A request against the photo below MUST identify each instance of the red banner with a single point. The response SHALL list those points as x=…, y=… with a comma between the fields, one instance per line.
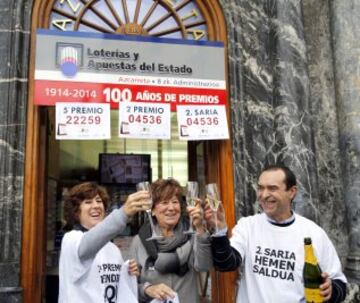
x=49, y=92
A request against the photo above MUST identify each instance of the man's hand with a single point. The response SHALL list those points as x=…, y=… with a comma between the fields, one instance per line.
x=136, y=202
x=133, y=268
x=213, y=221
x=159, y=291
x=326, y=287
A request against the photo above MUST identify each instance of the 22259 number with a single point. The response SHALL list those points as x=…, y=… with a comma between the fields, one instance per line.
x=82, y=120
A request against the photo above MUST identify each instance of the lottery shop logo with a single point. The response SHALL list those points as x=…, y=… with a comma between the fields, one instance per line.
x=69, y=57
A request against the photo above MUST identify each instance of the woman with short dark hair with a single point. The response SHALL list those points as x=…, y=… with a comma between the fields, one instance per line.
x=77, y=195
x=90, y=264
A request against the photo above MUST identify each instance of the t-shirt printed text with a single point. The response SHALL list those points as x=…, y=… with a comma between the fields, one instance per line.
x=278, y=264
x=110, y=276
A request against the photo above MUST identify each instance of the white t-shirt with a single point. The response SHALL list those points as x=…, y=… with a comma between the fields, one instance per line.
x=273, y=258
x=93, y=281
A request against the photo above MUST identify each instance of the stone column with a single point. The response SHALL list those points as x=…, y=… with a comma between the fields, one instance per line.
x=269, y=91
x=14, y=49
x=316, y=16
x=346, y=46
x=294, y=141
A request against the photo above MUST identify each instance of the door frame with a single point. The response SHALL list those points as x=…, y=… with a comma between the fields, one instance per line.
x=218, y=164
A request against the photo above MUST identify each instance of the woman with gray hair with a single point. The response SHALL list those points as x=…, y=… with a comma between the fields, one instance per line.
x=170, y=264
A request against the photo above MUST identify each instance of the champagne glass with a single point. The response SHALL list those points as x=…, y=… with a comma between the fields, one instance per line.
x=213, y=196
x=146, y=186
x=192, y=194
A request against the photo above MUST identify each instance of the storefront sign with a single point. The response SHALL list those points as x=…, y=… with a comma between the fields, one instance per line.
x=144, y=120
x=105, y=68
x=79, y=121
x=202, y=122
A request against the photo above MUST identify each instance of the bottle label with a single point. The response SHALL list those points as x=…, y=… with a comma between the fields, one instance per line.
x=312, y=295
x=309, y=255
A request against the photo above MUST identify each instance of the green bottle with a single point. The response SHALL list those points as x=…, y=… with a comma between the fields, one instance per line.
x=312, y=275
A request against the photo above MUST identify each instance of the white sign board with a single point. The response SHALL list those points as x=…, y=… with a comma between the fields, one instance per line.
x=82, y=121
x=144, y=120
x=92, y=67
x=205, y=122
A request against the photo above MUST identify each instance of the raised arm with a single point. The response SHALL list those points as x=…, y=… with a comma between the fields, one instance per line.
x=202, y=259
x=111, y=226
x=225, y=257
x=194, y=253
x=99, y=235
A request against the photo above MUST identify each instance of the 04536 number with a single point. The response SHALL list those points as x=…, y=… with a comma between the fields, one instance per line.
x=83, y=120
x=202, y=121
x=145, y=119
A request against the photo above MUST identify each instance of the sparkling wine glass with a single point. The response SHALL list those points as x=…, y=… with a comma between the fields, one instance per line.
x=213, y=196
x=192, y=194
x=146, y=186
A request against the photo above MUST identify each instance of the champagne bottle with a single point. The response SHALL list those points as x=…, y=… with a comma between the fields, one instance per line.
x=312, y=275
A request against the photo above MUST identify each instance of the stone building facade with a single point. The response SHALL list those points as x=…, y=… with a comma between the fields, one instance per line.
x=294, y=89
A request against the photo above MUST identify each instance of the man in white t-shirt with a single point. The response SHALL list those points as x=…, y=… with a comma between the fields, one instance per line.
x=269, y=247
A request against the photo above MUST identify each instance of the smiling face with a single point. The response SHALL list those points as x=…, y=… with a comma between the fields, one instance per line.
x=166, y=194
x=275, y=199
x=91, y=212
x=167, y=214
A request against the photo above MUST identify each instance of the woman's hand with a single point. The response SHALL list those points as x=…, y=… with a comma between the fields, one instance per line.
x=136, y=202
x=159, y=291
x=133, y=268
x=326, y=287
x=196, y=214
x=210, y=214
